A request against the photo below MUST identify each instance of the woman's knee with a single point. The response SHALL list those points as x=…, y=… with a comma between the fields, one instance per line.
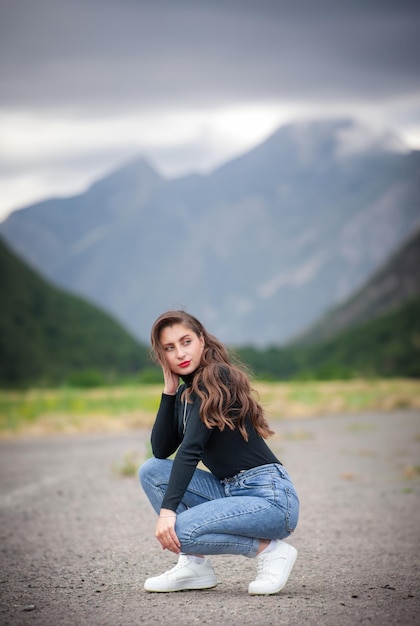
x=146, y=469
x=184, y=534
x=151, y=470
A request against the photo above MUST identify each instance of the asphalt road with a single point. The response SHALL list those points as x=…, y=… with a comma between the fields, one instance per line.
x=76, y=537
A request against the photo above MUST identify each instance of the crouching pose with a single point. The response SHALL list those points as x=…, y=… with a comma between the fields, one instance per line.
x=246, y=503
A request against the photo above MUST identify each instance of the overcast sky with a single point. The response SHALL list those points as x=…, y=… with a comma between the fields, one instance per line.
x=86, y=85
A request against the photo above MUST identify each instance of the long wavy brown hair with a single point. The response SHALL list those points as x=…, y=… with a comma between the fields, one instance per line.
x=222, y=384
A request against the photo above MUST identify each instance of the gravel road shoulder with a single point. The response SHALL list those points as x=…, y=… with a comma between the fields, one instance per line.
x=76, y=536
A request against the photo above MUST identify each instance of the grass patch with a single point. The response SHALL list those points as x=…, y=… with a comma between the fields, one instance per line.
x=305, y=399
x=68, y=410
x=77, y=410
x=360, y=428
x=413, y=471
x=129, y=466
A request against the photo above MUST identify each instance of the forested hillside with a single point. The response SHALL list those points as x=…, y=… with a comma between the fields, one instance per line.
x=48, y=336
x=386, y=346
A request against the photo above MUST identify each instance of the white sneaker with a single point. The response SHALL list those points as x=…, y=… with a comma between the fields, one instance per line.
x=185, y=575
x=273, y=569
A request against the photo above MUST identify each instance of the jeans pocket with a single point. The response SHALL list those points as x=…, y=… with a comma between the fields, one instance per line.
x=259, y=485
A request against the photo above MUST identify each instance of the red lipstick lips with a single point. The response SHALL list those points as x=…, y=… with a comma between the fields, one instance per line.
x=184, y=364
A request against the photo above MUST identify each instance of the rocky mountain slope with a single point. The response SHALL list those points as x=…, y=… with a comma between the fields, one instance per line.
x=397, y=282
x=259, y=249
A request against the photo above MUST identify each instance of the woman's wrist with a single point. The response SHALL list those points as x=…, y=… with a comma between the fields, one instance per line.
x=167, y=513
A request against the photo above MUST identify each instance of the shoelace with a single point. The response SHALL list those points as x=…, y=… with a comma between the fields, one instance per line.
x=262, y=566
x=181, y=563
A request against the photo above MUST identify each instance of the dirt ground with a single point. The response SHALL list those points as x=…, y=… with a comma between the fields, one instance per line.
x=76, y=536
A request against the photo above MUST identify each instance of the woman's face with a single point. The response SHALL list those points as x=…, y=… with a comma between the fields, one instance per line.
x=182, y=348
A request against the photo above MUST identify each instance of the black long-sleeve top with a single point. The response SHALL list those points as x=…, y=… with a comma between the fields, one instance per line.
x=225, y=453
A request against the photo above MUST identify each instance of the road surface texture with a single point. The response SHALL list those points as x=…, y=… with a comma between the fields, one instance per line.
x=77, y=536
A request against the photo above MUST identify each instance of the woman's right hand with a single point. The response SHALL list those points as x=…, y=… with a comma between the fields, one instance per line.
x=171, y=382
x=165, y=531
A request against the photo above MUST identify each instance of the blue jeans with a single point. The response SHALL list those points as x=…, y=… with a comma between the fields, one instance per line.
x=228, y=516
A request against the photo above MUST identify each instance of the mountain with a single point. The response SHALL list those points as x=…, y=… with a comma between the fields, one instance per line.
x=396, y=282
x=48, y=336
x=258, y=249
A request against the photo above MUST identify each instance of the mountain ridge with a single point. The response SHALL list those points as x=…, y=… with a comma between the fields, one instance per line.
x=259, y=248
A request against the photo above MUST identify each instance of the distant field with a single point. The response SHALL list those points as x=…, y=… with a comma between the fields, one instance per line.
x=41, y=412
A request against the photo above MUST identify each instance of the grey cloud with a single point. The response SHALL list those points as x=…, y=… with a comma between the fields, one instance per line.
x=92, y=53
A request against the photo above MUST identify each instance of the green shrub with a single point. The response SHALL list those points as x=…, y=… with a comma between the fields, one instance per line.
x=86, y=379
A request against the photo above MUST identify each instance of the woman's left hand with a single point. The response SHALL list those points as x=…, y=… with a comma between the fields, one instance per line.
x=165, y=531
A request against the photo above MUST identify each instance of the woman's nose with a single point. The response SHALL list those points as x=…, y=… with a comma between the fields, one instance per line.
x=180, y=352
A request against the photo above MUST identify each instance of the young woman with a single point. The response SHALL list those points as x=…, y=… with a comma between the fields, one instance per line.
x=246, y=503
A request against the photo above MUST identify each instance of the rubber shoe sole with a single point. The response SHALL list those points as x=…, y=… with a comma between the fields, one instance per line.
x=185, y=575
x=181, y=585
